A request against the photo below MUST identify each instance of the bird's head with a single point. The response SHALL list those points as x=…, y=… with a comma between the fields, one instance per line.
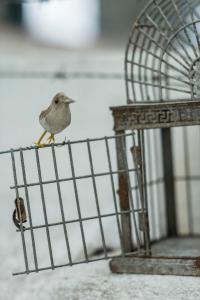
x=61, y=98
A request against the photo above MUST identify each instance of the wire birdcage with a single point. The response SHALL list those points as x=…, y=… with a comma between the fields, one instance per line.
x=162, y=85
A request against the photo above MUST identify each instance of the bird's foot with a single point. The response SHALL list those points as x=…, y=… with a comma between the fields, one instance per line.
x=64, y=141
x=39, y=145
x=51, y=139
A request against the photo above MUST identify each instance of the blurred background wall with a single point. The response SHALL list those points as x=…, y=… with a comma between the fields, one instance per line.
x=115, y=17
x=11, y=13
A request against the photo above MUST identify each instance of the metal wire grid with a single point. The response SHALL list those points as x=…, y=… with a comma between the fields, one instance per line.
x=164, y=51
x=28, y=236
x=155, y=198
x=165, y=36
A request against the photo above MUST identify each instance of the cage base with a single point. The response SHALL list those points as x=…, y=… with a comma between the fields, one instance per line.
x=177, y=256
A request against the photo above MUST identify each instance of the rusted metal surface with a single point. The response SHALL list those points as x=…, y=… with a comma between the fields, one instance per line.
x=171, y=256
x=182, y=266
x=156, y=115
x=123, y=194
x=143, y=196
x=139, y=161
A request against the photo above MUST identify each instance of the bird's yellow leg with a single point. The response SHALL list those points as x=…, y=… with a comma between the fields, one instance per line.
x=38, y=143
x=51, y=138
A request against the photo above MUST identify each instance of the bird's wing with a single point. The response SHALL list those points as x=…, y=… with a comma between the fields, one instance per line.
x=44, y=113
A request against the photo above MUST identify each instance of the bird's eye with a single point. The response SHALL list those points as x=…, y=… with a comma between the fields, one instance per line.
x=56, y=101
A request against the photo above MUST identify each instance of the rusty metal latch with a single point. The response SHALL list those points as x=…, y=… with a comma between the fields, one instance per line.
x=137, y=158
x=19, y=214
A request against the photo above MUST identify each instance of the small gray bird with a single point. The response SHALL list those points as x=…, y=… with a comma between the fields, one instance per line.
x=55, y=118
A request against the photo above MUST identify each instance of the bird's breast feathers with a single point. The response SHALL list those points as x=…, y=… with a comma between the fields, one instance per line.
x=56, y=120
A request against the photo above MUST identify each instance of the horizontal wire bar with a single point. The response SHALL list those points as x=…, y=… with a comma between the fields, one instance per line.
x=78, y=262
x=59, y=75
x=162, y=74
x=149, y=183
x=190, y=177
x=71, y=178
x=176, y=178
x=81, y=219
x=65, y=143
x=158, y=85
x=143, y=25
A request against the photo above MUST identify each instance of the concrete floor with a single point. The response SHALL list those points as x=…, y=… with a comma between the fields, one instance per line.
x=182, y=246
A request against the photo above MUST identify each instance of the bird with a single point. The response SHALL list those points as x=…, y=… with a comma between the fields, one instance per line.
x=55, y=118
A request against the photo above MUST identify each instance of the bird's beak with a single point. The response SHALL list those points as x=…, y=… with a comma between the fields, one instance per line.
x=69, y=100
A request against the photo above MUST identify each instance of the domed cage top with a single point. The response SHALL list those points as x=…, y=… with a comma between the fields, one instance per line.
x=162, y=60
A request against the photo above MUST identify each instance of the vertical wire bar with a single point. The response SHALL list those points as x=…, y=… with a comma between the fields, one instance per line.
x=61, y=205
x=44, y=207
x=146, y=64
x=77, y=201
x=188, y=182
x=144, y=192
x=114, y=195
x=21, y=226
x=130, y=195
x=129, y=68
x=96, y=198
x=136, y=181
x=156, y=137
x=150, y=171
x=29, y=210
x=142, y=41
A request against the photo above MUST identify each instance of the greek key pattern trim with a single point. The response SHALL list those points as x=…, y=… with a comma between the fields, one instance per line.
x=151, y=117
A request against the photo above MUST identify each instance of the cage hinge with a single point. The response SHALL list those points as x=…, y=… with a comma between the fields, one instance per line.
x=19, y=214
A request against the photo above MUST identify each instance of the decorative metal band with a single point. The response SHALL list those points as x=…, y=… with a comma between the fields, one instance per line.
x=156, y=115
